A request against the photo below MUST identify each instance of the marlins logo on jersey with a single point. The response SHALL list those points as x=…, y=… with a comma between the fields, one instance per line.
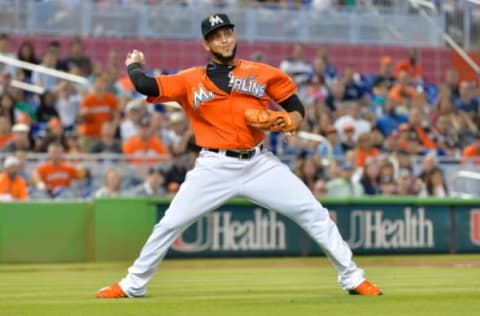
x=248, y=85
x=201, y=95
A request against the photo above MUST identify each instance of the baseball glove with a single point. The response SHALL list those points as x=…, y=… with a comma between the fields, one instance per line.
x=270, y=120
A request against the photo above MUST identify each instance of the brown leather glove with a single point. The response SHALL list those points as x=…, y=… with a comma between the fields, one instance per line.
x=269, y=120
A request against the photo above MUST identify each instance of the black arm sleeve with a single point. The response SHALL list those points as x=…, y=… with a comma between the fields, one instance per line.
x=293, y=104
x=143, y=84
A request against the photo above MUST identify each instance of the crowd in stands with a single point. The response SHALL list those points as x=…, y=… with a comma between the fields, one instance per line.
x=374, y=124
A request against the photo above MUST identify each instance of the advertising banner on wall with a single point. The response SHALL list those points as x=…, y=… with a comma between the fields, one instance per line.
x=248, y=230
x=467, y=232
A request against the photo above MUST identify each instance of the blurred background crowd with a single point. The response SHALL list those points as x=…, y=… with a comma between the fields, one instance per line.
x=384, y=132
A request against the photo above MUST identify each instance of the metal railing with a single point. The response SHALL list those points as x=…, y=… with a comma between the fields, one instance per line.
x=462, y=22
x=370, y=23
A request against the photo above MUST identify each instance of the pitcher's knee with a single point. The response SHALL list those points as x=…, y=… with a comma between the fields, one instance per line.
x=169, y=224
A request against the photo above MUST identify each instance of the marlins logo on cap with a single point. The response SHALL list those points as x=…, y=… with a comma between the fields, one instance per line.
x=214, y=22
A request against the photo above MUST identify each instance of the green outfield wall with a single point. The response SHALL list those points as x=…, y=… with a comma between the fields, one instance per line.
x=116, y=229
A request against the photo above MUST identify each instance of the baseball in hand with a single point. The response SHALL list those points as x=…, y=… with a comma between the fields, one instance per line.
x=135, y=56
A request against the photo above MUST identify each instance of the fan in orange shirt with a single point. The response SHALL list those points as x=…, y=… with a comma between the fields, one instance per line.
x=471, y=153
x=97, y=108
x=410, y=66
x=365, y=149
x=145, y=144
x=402, y=91
x=55, y=175
x=12, y=185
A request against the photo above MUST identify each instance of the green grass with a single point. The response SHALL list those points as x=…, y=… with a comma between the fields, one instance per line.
x=413, y=285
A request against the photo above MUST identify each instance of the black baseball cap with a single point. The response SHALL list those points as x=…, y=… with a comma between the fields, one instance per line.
x=214, y=22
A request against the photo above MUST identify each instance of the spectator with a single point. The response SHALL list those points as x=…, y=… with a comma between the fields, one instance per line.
x=145, y=144
x=410, y=66
x=309, y=173
x=56, y=176
x=387, y=175
x=46, y=110
x=68, y=104
x=53, y=48
x=353, y=117
x=20, y=139
x=154, y=184
x=12, y=185
x=334, y=144
x=436, y=185
x=112, y=183
x=407, y=184
x=365, y=150
x=385, y=75
x=416, y=124
x=77, y=58
x=320, y=189
x=446, y=138
x=6, y=83
x=54, y=134
x=451, y=82
x=5, y=51
x=133, y=113
x=429, y=164
x=379, y=98
x=353, y=84
x=402, y=92
x=348, y=141
x=178, y=133
x=344, y=186
x=175, y=174
x=107, y=143
x=324, y=54
x=387, y=186
x=320, y=71
x=44, y=80
x=73, y=145
x=466, y=101
x=316, y=91
x=471, y=153
x=97, y=108
x=5, y=134
x=443, y=106
x=337, y=95
x=26, y=53
x=7, y=107
x=295, y=66
x=370, y=179
x=390, y=121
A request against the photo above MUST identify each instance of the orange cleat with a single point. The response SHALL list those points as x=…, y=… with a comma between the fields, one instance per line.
x=113, y=291
x=366, y=288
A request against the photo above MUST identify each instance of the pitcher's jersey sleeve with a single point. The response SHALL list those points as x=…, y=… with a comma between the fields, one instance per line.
x=280, y=86
x=171, y=87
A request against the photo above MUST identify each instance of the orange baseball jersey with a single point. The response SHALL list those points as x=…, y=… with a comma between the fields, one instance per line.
x=99, y=111
x=16, y=188
x=60, y=175
x=217, y=117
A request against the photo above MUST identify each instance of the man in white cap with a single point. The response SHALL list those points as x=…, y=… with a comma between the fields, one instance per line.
x=20, y=139
x=12, y=185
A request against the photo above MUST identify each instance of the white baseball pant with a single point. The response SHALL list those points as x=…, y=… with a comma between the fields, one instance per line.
x=265, y=181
